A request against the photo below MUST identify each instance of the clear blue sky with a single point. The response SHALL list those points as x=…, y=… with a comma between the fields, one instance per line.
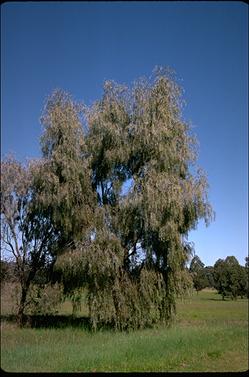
x=76, y=46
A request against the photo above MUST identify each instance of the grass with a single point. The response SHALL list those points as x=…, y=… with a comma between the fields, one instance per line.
x=208, y=335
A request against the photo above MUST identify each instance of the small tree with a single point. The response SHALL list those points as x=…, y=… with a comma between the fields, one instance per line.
x=247, y=276
x=25, y=235
x=220, y=278
x=198, y=273
x=243, y=281
x=196, y=264
x=229, y=277
x=209, y=271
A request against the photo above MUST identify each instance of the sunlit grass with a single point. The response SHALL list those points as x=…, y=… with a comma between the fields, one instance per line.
x=208, y=335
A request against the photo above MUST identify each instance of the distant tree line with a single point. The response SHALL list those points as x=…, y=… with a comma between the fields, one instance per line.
x=227, y=276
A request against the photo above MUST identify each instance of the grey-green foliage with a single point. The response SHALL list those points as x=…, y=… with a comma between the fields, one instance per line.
x=132, y=133
x=63, y=179
x=44, y=299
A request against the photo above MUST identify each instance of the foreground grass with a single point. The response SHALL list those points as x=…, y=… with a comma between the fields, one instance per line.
x=208, y=335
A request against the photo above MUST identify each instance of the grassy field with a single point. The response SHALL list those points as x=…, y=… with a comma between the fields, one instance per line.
x=208, y=335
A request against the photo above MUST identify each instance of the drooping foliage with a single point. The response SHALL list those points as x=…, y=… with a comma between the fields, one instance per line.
x=63, y=181
x=141, y=160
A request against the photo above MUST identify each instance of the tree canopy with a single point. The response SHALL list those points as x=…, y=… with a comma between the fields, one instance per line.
x=231, y=279
x=120, y=188
x=134, y=263
x=25, y=233
x=198, y=273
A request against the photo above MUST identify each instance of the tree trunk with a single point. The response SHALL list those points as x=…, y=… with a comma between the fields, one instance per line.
x=20, y=314
x=24, y=292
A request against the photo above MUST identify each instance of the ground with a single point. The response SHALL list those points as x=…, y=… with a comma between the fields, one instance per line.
x=208, y=334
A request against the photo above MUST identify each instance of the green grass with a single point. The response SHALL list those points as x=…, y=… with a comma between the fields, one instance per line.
x=208, y=335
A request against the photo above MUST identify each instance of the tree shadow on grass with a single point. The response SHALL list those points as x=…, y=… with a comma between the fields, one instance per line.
x=51, y=321
x=57, y=321
x=221, y=299
x=215, y=299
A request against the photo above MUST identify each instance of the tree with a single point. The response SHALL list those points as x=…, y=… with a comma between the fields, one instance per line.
x=229, y=278
x=220, y=277
x=198, y=273
x=196, y=264
x=247, y=276
x=26, y=236
x=243, y=282
x=134, y=263
x=209, y=271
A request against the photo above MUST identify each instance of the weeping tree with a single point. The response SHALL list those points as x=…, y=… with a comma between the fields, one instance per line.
x=147, y=192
